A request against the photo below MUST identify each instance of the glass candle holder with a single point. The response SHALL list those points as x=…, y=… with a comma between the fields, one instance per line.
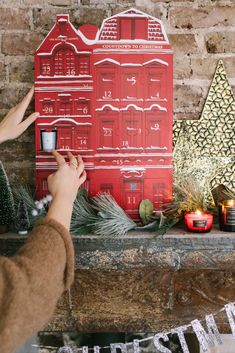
x=198, y=221
x=48, y=140
x=227, y=215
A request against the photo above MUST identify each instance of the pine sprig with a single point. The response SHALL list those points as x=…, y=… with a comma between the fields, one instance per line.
x=99, y=215
x=84, y=215
x=112, y=220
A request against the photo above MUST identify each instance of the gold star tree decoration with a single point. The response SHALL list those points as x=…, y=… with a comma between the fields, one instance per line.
x=204, y=149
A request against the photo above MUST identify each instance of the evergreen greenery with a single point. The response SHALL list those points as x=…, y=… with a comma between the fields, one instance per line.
x=24, y=193
x=111, y=220
x=22, y=218
x=7, y=211
x=101, y=215
x=84, y=214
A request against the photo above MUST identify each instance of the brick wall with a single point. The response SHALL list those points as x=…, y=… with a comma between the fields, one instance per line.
x=200, y=31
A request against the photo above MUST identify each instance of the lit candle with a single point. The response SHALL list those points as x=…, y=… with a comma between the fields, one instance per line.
x=198, y=221
x=227, y=215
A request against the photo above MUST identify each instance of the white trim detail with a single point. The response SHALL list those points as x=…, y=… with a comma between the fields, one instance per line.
x=47, y=36
x=108, y=60
x=134, y=106
x=156, y=105
x=58, y=89
x=156, y=60
x=87, y=40
x=67, y=43
x=147, y=155
x=137, y=12
x=131, y=64
x=108, y=106
x=132, y=168
x=65, y=120
x=63, y=116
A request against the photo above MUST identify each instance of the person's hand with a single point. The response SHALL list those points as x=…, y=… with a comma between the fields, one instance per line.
x=63, y=185
x=13, y=125
x=65, y=182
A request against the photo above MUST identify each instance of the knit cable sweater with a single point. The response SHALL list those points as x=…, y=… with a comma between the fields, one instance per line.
x=32, y=281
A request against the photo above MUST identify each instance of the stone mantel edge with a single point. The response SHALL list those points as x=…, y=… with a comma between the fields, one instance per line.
x=174, y=251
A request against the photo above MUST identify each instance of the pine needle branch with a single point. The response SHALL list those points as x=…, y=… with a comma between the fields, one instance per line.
x=112, y=220
x=24, y=193
x=84, y=216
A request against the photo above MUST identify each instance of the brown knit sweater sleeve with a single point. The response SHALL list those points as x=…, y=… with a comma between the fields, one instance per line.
x=32, y=281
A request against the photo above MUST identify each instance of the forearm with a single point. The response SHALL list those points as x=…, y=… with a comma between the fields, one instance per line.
x=32, y=281
x=2, y=137
x=61, y=210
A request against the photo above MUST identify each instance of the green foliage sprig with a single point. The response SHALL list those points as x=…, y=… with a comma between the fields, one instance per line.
x=101, y=215
x=25, y=194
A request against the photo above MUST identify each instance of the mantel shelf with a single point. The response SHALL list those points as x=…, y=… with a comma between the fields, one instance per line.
x=176, y=250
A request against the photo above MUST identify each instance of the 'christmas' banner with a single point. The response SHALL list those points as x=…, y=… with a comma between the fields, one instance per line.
x=207, y=338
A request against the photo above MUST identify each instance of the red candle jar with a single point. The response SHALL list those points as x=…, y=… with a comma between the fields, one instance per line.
x=198, y=221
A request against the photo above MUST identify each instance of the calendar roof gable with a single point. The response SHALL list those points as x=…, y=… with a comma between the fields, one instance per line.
x=62, y=32
x=111, y=27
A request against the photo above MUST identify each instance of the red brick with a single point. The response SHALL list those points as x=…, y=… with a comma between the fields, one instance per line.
x=204, y=17
x=21, y=69
x=220, y=42
x=183, y=43
x=45, y=18
x=2, y=70
x=47, y=3
x=94, y=16
x=20, y=43
x=181, y=67
x=169, y=1
x=186, y=115
x=155, y=11
x=188, y=98
x=13, y=18
x=11, y=95
x=204, y=68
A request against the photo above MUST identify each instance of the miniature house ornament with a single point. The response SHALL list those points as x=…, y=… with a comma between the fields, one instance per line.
x=107, y=94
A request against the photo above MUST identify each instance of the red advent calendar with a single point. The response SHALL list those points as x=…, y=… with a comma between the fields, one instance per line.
x=107, y=94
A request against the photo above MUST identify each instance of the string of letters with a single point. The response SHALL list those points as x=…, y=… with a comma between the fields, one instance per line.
x=207, y=338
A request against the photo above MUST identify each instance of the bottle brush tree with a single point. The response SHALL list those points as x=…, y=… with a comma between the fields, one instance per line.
x=23, y=223
x=7, y=210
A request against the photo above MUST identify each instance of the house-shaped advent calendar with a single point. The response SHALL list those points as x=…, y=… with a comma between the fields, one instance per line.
x=107, y=94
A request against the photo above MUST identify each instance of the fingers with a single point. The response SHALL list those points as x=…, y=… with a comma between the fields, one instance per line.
x=21, y=107
x=59, y=158
x=79, y=159
x=80, y=167
x=26, y=123
x=72, y=160
x=50, y=176
x=27, y=99
x=82, y=177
